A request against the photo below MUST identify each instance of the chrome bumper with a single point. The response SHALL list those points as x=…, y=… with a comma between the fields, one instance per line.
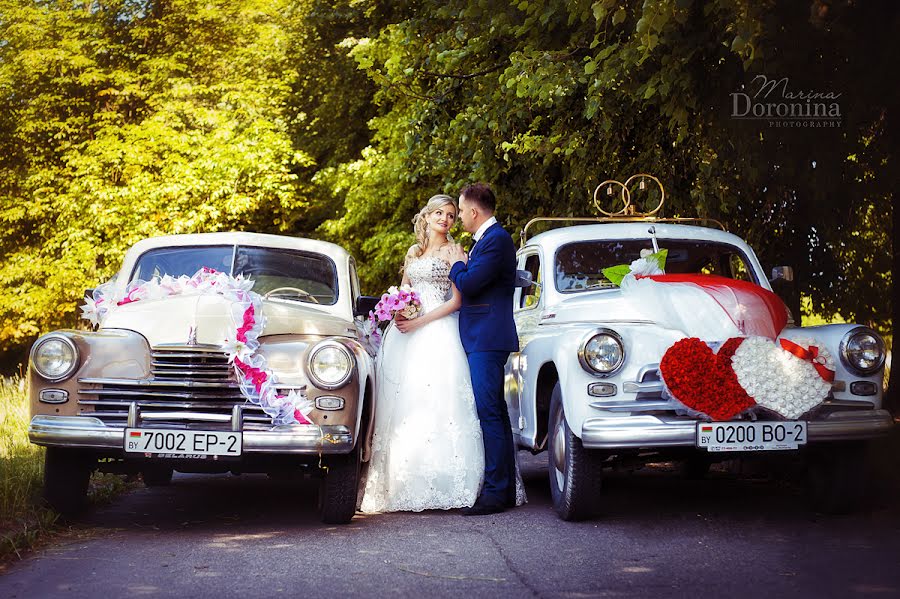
x=648, y=432
x=89, y=432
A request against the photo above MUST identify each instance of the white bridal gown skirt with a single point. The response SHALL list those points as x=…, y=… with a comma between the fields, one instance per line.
x=427, y=449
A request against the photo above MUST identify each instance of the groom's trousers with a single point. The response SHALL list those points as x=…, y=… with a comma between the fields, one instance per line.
x=486, y=369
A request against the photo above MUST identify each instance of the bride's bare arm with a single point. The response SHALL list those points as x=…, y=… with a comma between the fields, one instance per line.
x=410, y=254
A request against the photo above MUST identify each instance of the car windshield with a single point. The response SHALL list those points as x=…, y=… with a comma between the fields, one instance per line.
x=579, y=266
x=278, y=273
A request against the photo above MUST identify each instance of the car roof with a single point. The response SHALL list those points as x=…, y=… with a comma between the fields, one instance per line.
x=331, y=250
x=631, y=230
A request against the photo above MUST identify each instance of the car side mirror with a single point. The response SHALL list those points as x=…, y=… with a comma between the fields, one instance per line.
x=782, y=273
x=523, y=279
x=364, y=305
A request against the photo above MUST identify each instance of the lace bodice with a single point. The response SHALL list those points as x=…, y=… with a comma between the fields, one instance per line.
x=430, y=277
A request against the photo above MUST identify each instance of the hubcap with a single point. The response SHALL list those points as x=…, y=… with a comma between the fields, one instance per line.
x=559, y=450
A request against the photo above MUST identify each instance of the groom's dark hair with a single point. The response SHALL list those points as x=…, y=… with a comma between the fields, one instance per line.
x=481, y=194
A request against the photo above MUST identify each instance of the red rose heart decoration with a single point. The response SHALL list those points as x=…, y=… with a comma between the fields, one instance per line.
x=727, y=349
x=704, y=381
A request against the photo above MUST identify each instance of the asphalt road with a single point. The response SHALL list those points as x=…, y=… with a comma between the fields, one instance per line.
x=730, y=535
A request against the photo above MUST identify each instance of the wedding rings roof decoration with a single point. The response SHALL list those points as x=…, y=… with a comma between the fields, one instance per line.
x=628, y=209
x=628, y=212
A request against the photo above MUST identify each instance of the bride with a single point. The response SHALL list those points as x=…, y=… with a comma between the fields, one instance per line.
x=427, y=450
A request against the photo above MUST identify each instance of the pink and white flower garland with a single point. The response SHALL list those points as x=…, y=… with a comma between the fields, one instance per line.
x=256, y=380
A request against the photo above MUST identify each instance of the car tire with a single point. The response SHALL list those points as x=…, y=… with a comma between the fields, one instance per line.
x=157, y=475
x=575, y=472
x=340, y=487
x=837, y=477
x=67, y=473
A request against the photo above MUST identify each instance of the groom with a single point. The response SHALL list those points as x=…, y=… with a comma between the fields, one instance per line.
x=486, y=280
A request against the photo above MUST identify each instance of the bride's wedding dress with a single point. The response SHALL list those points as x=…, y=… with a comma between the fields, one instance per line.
x=427, y=451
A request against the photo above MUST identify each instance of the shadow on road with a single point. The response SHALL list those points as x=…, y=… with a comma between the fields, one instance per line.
x=656, y=494
x=740, y=532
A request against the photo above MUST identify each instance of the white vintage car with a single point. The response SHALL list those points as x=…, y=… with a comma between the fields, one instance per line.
x=154, y=388
x=586, y=384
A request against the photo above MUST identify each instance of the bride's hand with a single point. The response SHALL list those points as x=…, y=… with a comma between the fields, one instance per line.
x=405, y=325
x=457, y=254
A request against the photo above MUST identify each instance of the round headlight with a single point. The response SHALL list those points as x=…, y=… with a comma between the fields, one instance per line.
x=330, y=365
x=602, y=353
x=54, y=357
x=863, y=350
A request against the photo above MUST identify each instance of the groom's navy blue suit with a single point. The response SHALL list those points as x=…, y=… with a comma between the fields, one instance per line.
x=488, y=335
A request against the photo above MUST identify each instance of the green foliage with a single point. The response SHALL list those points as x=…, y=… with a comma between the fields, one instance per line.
x=122, y=120
x=331, y=99
x=534, y=97
x=544, y=99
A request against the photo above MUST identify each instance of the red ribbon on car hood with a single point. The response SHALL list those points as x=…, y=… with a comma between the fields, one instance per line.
x=810, y=356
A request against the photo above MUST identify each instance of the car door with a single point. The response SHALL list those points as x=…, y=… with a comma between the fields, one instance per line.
x=526, y=312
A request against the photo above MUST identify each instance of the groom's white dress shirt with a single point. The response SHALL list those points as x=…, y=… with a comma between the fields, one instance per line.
x=484, y=227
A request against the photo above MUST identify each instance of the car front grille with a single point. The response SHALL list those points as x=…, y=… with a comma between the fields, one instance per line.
x=191, y=387
x=189, y=363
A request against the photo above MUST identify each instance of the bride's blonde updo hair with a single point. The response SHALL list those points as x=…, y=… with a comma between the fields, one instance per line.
x=420, y=224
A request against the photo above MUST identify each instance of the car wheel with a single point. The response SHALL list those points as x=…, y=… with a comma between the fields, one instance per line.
x=837, y=477
x=575, y=472
x=67, y=473
x=339, y=489
x=157, y=475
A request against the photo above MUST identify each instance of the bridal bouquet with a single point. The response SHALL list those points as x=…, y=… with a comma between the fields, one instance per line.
x=403, y=301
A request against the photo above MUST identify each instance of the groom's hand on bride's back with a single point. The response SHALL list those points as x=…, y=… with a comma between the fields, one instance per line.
x=457, y=254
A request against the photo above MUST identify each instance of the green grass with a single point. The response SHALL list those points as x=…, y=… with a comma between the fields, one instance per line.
x=24, y=518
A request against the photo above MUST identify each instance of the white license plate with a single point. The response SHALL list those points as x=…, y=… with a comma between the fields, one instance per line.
x=750, y=436
x=178, y=443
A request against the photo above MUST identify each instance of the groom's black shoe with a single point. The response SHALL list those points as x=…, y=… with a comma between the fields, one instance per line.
x=483, y=508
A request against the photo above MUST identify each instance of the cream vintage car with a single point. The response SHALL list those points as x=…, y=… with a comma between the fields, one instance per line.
x=586, y=386
x=152, y=389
